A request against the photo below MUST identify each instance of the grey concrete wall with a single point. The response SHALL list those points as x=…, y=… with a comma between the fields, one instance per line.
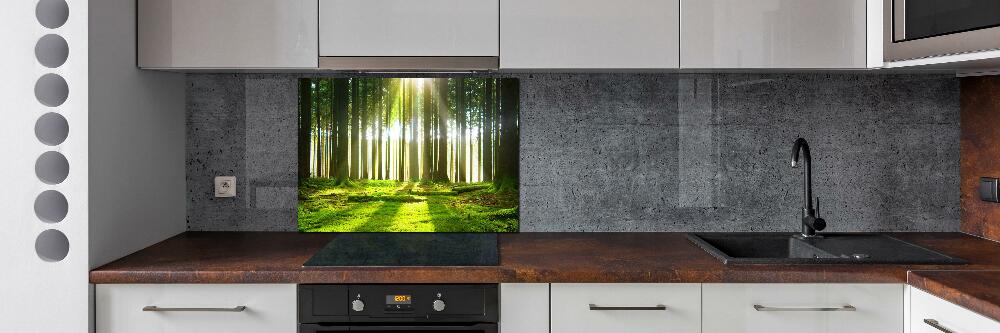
x=641, y=152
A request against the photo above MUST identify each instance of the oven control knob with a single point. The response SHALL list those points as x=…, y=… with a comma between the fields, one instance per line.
x=438, y=305
x=358, y=305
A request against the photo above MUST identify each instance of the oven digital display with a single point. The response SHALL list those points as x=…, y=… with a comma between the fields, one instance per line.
x=398, y=299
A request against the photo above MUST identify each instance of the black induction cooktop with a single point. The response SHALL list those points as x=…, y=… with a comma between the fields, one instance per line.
x=409, y=249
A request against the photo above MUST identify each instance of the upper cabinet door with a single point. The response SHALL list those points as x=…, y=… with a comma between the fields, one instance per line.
x=773, y=34
x=589, y=34
x=227, y=33
x=409, y=28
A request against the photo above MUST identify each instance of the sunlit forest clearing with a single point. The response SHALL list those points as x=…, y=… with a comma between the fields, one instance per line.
x=411, y=155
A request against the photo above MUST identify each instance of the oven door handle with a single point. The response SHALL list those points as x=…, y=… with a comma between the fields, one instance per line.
x=316, y=328
x=486, y=328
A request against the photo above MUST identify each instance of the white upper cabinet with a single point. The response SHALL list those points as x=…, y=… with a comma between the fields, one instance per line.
x=227, y=33
x=776, y=33
x=409, y=28
x=589, y=34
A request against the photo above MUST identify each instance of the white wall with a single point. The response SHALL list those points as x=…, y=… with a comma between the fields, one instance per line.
x=126, y=128
x=38, y=295
x=137, y=188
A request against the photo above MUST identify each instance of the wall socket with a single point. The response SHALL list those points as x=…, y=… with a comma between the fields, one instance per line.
x=988, y=189
x=225, y=187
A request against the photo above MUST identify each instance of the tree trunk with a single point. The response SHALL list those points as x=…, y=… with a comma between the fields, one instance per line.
x=305, y=126
x=386, y=143
x=460, y=118
x=425, y=116
x=488, y=131
x=379, y=108
x=401, y=142
x=508, y=153
x=363, y=137
x=442, y=102
x=355, y=123
x=412, y=146
x=340, y=103
x=320, y=134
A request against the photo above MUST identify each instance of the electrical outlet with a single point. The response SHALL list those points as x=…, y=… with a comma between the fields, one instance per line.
x=988, y=189
x=225, y=187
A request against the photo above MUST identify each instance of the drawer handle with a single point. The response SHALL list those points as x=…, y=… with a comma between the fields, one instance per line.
x=658, y=307
x=154, y=308
x=759, y=307
x=935, y=324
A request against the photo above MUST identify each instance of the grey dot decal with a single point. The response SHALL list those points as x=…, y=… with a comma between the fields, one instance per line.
x=51, y=206
x=51, y=51
x=51, y=129
x=51, y=90
x=52, y=245
x=52, y=13
x=52, y=167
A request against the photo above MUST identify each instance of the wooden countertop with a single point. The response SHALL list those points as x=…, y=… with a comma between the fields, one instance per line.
x=978, y=291
x=277, y=257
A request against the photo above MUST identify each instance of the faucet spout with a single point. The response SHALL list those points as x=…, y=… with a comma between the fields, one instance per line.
x=810, y=222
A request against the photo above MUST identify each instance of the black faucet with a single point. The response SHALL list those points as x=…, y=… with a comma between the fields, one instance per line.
x=810, y=221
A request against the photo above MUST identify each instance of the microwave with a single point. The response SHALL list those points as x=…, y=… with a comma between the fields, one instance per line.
x=915, y=29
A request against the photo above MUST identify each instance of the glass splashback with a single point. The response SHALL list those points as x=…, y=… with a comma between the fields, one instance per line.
x=408, y=155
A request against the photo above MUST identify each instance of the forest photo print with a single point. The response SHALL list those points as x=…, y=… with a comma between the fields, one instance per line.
x=408, y=155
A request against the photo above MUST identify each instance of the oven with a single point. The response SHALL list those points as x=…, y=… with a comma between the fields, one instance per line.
x=916, y=29
x=387, y=308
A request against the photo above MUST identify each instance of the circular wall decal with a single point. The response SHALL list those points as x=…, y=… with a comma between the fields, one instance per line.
x=52, y=13
x=51, y=51
x=51, y=129
x=52, y=167
x=52, y=245
x=51, y=90
x=51, y=206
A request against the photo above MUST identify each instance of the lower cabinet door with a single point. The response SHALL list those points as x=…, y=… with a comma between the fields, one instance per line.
x=814, y=308
x=190, y=308
x=621, y=307
x=524, y=308
x=930, y=314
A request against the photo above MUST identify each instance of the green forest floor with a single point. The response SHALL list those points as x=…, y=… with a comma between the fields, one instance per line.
x=386, y=205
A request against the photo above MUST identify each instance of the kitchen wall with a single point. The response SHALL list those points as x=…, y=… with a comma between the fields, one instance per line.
x=980, y=148
x=640, y=152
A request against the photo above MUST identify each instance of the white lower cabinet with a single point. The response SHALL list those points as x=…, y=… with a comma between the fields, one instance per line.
x=930, y=314
x=524, y=307
x=625, y=307
x=816, y=308
x=196, y=308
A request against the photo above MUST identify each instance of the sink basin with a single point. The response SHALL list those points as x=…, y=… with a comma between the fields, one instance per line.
x=785, y=248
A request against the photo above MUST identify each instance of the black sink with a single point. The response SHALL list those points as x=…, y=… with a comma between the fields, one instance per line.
x=786, y=248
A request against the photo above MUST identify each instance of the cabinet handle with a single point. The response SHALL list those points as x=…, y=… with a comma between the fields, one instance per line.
x=154, y=308
x=935, y=324
x=658, y=307
x=848, y=307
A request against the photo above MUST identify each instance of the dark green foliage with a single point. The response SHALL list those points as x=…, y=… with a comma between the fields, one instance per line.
x=469, y=188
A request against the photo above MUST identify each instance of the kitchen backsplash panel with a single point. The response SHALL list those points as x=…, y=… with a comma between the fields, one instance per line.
x=640, y=152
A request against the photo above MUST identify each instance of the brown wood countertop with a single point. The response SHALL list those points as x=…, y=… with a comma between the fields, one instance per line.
x=277, y=257
x=978, y=291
